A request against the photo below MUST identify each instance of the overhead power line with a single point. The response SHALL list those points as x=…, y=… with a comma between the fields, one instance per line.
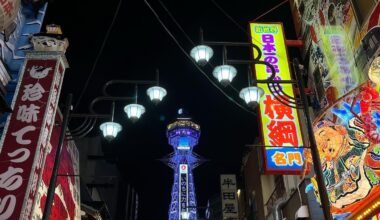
x=99, y=54
x=242, y=28
x=188, y=56
x=188, y=37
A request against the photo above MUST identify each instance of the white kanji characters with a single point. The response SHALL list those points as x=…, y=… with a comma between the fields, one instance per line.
x=32, y=92
x=20, y=134
x=11, y=179
x=39, y=72
x=8, y=204
x=28, y=113
x=25, y=155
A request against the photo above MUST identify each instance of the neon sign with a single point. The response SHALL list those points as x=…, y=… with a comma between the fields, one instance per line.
x=279, y=123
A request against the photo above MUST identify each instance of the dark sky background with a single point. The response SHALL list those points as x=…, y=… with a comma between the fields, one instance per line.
x=137, y=45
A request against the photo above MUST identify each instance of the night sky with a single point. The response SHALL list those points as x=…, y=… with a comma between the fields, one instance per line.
x=136, y=47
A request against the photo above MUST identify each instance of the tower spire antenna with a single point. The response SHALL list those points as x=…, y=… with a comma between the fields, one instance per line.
x=183, y=135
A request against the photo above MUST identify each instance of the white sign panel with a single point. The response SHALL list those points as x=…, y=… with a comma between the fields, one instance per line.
x=229, y=197
x=183, y=189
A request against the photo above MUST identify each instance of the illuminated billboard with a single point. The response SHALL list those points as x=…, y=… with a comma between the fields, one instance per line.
x=349, y=149
x=280, y=125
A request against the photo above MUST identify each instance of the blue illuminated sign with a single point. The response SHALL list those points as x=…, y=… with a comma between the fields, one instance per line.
x=184, y=143
x=284, y=158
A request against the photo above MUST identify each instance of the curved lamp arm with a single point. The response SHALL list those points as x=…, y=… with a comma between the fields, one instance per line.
x=135, y=82
x=108, y=98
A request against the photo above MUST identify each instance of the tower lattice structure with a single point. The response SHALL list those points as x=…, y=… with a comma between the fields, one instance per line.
x=183, y=135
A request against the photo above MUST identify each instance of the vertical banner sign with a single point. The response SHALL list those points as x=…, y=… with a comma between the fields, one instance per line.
x=280, y=125
x=183, y=191
x=229, y=197
x=27, y=133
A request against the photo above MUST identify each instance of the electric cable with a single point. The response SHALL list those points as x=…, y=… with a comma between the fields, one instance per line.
x=187, y=36
x=240, y=27
x=99, y=54
x=188, y=56
x=270, y=10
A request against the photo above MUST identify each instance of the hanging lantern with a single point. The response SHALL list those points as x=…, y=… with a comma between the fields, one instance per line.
x=224, y=74
x=201, y=54
x=251, y=95
x=134, y=111
x=110, y=130
x=156, y=94
x=374, y=71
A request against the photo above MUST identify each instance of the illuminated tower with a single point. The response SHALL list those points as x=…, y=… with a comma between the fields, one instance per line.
x=183, y=135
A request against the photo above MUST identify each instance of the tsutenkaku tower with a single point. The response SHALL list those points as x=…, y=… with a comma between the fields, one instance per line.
x=183, y=135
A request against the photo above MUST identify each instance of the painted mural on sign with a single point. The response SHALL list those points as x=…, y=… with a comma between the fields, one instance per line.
x=349, y=149
x=333, y=38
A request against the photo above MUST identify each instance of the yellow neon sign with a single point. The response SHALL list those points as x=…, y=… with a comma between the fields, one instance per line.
x=279, y=123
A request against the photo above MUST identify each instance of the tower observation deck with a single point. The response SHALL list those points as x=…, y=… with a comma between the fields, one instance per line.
x=183, y=135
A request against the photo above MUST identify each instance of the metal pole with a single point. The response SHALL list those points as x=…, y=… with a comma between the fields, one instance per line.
x=53, y=179
x=325, y=202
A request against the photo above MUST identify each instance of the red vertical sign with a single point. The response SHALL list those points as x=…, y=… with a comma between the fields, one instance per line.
x=27, y=133
x=66, y=203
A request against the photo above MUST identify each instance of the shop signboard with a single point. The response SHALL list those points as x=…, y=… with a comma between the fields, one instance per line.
x=280, y=125
x=229, y=196
x=27, y=133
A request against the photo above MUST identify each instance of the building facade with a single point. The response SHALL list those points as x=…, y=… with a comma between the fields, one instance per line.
x=105, y=193
x=32, y=67
x=338, y=64
x=340, y=57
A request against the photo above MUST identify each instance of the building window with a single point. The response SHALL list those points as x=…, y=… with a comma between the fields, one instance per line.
x=363, y=9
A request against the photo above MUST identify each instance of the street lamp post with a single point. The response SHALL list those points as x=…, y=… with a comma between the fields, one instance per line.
x=252, y=94
x=109, y=129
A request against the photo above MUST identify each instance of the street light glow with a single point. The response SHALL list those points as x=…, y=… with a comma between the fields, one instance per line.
x=156, y=94
x=224, y=74
x=202, y=54
x=110, y=130
x=134, y=111
x=251, y=95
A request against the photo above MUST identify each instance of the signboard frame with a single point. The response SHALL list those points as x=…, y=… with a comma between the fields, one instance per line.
x=273, y=43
